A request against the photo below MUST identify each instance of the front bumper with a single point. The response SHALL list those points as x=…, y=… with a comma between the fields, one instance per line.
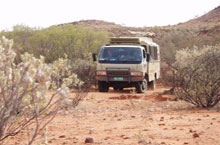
x=124, y=79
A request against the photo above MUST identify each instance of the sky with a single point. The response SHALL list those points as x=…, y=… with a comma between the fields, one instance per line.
x=136, y=13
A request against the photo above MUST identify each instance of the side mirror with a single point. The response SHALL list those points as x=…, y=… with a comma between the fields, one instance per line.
x=94, y=57
x=148, y=57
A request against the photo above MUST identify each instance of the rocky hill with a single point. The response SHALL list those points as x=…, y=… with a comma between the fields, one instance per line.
x=206, y=24
x=114, y=29
x=210, y=18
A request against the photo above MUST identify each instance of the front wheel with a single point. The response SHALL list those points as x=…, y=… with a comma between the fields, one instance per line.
x=103, y=86
x=142, y=86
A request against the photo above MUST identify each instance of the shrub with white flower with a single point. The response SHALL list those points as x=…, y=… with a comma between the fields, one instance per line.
x=62, y=74
x=24, y=97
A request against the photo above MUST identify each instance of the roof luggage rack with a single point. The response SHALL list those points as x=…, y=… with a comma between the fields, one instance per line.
x=131, y=40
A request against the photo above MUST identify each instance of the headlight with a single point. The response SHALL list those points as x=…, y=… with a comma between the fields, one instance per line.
x=137, y=74
x=101, y=73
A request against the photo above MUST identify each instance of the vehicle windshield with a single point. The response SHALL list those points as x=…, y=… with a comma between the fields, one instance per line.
x=127, y=55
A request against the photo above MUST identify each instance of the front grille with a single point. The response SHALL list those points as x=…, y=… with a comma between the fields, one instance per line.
x=118, y=73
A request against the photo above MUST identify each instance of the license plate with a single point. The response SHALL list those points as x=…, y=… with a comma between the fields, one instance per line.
x=118, y=78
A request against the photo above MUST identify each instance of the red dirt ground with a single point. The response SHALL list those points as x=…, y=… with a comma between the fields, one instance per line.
x=127, y=118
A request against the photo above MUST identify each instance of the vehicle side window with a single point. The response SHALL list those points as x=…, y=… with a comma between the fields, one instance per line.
x=151, y=50
x=155, y=53
x=147, y=49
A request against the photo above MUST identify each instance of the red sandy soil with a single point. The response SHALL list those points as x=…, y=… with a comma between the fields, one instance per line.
x=127, y=118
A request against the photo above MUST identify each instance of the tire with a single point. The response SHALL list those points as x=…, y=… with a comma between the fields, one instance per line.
x=121, y=89
x=142, y=86
x=115, y=88
x=103, y=86
x=118, y=88
x=152, y=85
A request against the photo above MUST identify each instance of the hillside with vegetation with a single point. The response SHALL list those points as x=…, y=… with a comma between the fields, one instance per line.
x=73, y=38
x=200, y=31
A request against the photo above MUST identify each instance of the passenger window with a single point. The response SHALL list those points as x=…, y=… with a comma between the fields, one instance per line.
x=150, y=51
x=152, y=54
x=155, y=53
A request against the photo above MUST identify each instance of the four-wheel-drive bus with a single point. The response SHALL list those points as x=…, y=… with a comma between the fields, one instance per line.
x=128, y=62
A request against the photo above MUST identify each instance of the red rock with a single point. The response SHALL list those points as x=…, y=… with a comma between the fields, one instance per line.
x=195, y=135
x=62, y=136
x=50, y=141
x=89, y=140
x=142, y=141
x=107, y=138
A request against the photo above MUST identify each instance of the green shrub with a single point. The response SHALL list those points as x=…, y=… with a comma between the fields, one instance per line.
x=85, y=70
x=57, y=41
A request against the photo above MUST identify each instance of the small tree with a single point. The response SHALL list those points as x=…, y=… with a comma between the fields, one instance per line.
x=197, y=79
x=24, y=100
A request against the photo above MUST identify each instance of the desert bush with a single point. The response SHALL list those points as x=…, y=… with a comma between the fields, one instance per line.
x=197, y=79
x=68, y=45
x=24, y=98
x=167, y=76
x=63, y=74
x=85, y=70
x=57, y=41
x=175, y=38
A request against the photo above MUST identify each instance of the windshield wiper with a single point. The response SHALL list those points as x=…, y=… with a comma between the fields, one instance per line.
x=104, y=60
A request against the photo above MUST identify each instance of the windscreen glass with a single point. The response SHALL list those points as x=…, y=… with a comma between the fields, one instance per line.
x=127, y=55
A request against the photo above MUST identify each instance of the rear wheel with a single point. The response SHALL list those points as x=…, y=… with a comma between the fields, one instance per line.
x=103, y=86
x=142, y=86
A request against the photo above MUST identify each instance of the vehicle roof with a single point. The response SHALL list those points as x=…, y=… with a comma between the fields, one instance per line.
x=122, y=46
x=132, y=41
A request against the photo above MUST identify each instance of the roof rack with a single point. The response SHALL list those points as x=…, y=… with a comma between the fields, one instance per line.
x=118, y=40
x=131, y=40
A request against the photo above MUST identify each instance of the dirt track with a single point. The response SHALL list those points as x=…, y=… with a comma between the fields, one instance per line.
x=126, y=118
